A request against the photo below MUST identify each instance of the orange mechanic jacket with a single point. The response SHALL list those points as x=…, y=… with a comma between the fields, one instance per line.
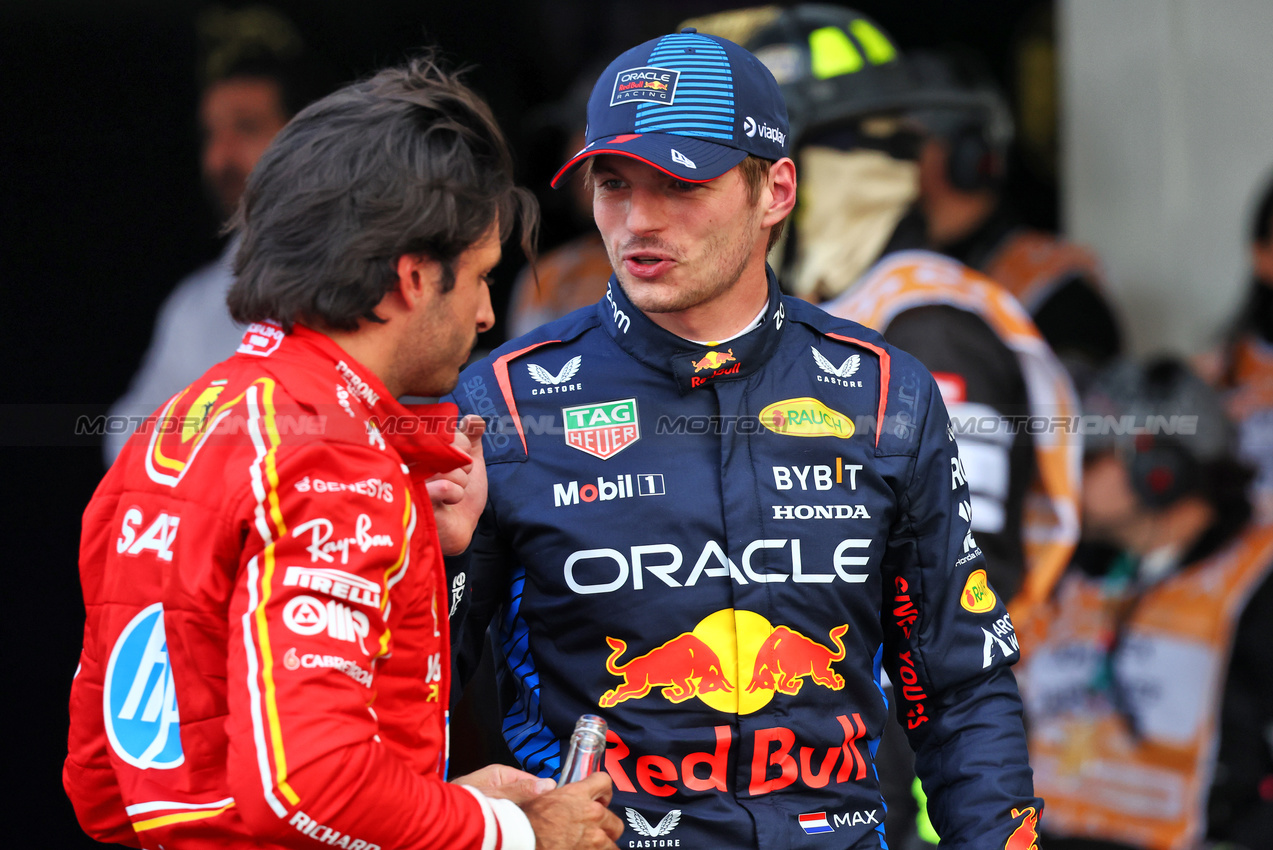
x=1142, y=777
x=266, y=655
x=910, y=279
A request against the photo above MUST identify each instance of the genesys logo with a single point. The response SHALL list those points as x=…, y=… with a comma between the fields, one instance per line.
x=776, y=756
x=293, y=660
x=621, y=487
x=308, y=616
x=371, y=487
x=608, y=570
x=703, y=662
x=805, y=417
x=558, y=383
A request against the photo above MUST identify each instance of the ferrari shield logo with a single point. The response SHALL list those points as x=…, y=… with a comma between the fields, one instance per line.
x=602, y=430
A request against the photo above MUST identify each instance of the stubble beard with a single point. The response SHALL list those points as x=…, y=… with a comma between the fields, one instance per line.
x=722, y=266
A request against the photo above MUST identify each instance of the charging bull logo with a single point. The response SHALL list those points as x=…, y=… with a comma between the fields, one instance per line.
x=786, y=657
x=693, y=663
x=713, y=360
x=1026, y=835
x=683, y=667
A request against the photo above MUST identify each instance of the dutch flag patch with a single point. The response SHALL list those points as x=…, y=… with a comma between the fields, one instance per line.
x=815, y=823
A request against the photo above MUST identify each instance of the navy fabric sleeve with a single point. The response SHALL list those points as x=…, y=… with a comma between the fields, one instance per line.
x=948, y=646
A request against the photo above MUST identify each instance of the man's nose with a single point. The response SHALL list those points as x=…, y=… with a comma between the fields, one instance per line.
x=645, y=212
x=485, y=312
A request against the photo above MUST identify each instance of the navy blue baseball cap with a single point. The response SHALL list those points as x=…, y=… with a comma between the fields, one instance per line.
x=691, y=105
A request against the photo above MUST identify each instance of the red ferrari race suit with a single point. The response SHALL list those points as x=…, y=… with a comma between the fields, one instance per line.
x=265, y=659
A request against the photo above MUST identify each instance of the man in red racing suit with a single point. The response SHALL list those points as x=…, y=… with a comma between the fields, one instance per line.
x=266, y=653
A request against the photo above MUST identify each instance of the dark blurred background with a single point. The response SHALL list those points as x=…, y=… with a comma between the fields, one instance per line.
x=102, y=212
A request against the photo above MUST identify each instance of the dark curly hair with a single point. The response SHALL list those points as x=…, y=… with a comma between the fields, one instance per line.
x=408, y=161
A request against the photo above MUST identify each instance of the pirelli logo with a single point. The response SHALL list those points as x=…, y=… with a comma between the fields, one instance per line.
x=337, y=583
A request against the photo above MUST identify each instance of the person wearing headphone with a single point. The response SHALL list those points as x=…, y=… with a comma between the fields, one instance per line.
x=1149, y=699
x=962, y=167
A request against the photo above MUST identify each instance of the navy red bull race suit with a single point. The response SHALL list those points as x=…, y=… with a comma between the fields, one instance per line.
x=717, y=548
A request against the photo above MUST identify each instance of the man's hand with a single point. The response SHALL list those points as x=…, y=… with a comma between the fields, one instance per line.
x=459, y=496
x=500, y=780
x=575, y=817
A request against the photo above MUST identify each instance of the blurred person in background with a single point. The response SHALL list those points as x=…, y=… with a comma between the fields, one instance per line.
x=266, y=659
x=1243, y=367
x=1150, y=700
x=962, y=168
x=255, y=77
x=574, y=274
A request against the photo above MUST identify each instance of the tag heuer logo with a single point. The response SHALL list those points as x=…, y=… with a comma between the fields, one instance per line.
x=602, y=430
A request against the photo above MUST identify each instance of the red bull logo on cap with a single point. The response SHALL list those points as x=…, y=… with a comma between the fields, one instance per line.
x=700, y=663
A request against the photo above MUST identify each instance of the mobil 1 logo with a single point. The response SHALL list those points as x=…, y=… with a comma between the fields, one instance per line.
x=139, y=700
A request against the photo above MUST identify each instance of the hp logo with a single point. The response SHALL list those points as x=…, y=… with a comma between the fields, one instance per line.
x=139, y=701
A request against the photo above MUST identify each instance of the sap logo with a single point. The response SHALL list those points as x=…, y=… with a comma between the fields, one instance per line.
x=310, y=661
x=307, y=616
x=820, y=512
x=662, y=560
x=321, y=547
x=823, y=477
x=649, y=484
x=307, y=826
x=682, y=159
x=157, y=538
x=140, y=698
x=621, y=320
x=641, y=826
x=857, y=818
x=1004, y=637
x=337, y=583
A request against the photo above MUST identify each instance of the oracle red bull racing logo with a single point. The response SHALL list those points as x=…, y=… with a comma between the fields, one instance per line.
x=704, y=662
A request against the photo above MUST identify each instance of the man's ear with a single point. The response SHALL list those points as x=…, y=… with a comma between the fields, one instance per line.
x=417, y=279
x=781, y=192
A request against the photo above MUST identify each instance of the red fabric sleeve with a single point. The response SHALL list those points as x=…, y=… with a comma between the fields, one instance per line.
x=327, y=604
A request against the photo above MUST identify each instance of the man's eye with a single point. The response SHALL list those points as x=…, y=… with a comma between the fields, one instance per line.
x=684, y=186
x=611, y=184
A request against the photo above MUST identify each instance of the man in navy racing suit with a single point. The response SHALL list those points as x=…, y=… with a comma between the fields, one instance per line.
x=717, y=513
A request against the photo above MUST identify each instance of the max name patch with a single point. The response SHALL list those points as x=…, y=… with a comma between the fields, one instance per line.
x=653, y=84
